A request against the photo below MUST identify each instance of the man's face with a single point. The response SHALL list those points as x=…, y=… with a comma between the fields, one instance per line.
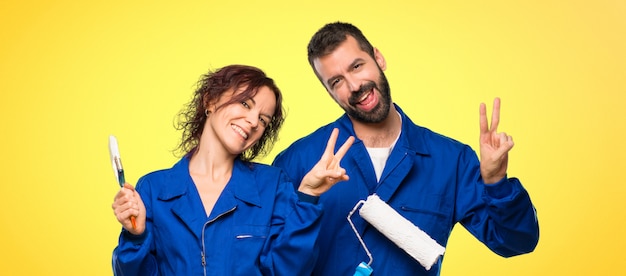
x=356, y=81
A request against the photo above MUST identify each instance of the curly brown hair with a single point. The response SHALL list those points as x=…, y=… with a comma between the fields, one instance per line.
x=210, y=88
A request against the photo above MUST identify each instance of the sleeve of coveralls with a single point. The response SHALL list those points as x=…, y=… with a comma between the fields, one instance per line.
x=290, y=249
x=133, y=254
x=500, y=215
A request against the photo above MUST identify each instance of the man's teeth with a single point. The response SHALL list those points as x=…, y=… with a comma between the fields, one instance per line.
x=364, y=97
x=240, y=131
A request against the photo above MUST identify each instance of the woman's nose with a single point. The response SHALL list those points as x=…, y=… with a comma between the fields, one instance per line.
x=253, y=119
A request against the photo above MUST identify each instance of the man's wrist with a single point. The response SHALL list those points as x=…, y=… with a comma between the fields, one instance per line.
x=304, y=197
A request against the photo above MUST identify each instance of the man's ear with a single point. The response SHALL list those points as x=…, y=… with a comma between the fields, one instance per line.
x=380, y=59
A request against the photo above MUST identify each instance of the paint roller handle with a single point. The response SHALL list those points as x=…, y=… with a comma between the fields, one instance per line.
x=363, y=270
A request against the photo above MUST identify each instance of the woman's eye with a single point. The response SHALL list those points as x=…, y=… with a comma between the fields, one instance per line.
x=245, y=104
x=263, y=121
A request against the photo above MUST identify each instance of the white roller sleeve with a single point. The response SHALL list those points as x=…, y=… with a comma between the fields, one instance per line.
x=401, y=231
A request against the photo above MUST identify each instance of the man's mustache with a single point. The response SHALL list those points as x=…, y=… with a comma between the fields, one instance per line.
x=356, y=95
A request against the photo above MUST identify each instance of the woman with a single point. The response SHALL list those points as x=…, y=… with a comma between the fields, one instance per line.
x=215, y=212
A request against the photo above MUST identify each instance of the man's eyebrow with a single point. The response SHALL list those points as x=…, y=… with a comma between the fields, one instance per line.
x=357, y=60
x=330, y=80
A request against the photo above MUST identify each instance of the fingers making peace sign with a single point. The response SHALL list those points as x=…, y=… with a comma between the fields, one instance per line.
x=327, y=172
x=494, y=146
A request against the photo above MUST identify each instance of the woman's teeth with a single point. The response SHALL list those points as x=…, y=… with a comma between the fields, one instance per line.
x=240, y=131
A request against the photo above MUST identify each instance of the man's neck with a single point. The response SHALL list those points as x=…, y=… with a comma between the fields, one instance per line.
x=379, y=135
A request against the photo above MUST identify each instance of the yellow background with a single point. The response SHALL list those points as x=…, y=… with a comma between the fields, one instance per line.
x=73, y=72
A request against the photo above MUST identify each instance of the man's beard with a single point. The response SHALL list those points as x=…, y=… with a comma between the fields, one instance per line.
x=380, y=111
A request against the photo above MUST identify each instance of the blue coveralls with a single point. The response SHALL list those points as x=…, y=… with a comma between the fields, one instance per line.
x=257, y=227
x=431, y=180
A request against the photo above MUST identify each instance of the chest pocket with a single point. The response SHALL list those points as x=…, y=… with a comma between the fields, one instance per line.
x=248, y=243
x=432, y=215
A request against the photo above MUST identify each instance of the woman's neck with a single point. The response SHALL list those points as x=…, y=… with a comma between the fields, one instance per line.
x=211, y=164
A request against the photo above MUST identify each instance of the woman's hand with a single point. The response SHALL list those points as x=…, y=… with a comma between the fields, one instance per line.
x=127, y=204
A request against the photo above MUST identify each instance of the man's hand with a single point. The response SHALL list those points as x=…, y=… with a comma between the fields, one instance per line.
x=327, y=171
x=494, y=146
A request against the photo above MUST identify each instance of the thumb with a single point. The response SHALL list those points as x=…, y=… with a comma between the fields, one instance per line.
x=128, y=186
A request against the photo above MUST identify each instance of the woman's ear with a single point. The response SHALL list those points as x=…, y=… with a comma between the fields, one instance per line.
x=208, y=106
x=211, y=108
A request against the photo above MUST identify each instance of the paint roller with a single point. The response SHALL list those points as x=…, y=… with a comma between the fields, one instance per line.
x=417, y=243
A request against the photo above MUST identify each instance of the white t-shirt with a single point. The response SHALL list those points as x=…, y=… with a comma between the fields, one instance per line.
x=379, y=156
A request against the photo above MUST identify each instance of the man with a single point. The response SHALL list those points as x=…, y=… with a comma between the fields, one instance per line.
x=431, y=180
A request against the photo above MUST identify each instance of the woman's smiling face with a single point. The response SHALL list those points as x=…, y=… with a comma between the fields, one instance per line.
x=238, y=126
